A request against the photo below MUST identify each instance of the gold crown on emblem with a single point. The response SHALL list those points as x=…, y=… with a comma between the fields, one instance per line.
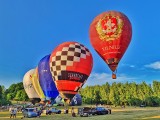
x=109, y=27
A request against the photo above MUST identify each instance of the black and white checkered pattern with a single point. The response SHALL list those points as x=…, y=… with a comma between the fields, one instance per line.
x=73, y=53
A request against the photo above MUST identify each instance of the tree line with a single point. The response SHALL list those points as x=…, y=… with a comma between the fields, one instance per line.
x=131, y=94
x=14, y=92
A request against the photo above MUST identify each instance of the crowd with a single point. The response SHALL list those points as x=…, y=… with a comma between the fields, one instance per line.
x=39, y=109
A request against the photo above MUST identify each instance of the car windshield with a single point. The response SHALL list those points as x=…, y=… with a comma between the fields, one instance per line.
x=86, y=108
x=100, y=108
x=30, y=110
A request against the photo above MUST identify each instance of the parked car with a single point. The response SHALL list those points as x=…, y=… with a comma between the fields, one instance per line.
x=29, y=112
x=102, y=111
x=86, y=111
x=55, y=110
x=142, y=105
x=48, y=112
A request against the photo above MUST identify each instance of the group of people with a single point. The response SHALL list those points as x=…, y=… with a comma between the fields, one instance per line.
x=13, y=112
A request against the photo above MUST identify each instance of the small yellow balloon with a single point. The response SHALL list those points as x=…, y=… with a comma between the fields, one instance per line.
x=36, y=84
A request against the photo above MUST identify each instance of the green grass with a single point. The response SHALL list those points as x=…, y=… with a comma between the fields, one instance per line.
x=128, y=113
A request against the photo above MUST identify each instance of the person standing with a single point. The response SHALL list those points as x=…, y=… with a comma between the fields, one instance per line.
x=11, y=110
x=72, y=112
x=15, y=112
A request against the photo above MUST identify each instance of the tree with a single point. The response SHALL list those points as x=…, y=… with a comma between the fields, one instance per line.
x=156, y=88
x=104, y=93
x=21, y=96
x=123, y=94
x=0, y=92
x=16, y=92
x=114, y=94
x=10, y=96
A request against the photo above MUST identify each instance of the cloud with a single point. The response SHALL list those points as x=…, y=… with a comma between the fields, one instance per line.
x=128, y=65
x=132, y=66
x=102, y=78
x=155, y=65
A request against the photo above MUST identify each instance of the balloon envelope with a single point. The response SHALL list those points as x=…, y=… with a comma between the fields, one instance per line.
x=58, y=100
x=45, y=79
x=36, y=84
x=70, y=65
x=110, y=35
x=77, y=100
x=28, y=85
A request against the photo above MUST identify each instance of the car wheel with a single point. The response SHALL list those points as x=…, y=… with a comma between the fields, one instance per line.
x=87, y=114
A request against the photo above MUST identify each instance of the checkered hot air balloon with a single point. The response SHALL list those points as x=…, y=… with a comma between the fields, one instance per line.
x=70, y=66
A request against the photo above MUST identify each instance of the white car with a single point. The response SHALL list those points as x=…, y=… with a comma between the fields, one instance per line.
x=29, y=112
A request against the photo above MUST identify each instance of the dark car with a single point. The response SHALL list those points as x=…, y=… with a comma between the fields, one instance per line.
x=29, y=112
x=48, y=112
x=102, y=111
x=86, y=111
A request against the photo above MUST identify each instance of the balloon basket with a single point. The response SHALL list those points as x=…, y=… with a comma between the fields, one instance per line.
x=114, y=76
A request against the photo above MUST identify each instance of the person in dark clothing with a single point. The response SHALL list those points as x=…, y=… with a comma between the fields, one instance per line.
x=72, y=112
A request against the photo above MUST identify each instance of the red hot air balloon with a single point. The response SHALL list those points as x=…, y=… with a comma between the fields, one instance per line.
x=70, y=65
x=110, y=35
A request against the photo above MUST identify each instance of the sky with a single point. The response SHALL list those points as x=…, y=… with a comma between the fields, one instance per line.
x=31, y=29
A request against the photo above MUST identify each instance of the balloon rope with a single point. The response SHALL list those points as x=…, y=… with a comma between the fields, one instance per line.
x=114, y=72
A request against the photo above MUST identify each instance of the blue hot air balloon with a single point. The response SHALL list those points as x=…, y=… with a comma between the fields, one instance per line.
x=77, y=100
x=45, y=79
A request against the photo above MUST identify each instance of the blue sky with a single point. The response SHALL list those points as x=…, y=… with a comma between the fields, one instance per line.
x=31, y=29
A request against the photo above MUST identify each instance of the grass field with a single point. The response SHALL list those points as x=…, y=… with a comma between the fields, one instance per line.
x=128, y=113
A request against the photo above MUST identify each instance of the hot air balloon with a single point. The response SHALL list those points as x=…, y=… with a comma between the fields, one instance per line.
x=77, y=100
x=70, y=65
x=45, y=79
x=110, y=35
x=35, y=80
x=28, y=86
x=59, y=100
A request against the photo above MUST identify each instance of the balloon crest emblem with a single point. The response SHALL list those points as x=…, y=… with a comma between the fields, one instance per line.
x=109, y=27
